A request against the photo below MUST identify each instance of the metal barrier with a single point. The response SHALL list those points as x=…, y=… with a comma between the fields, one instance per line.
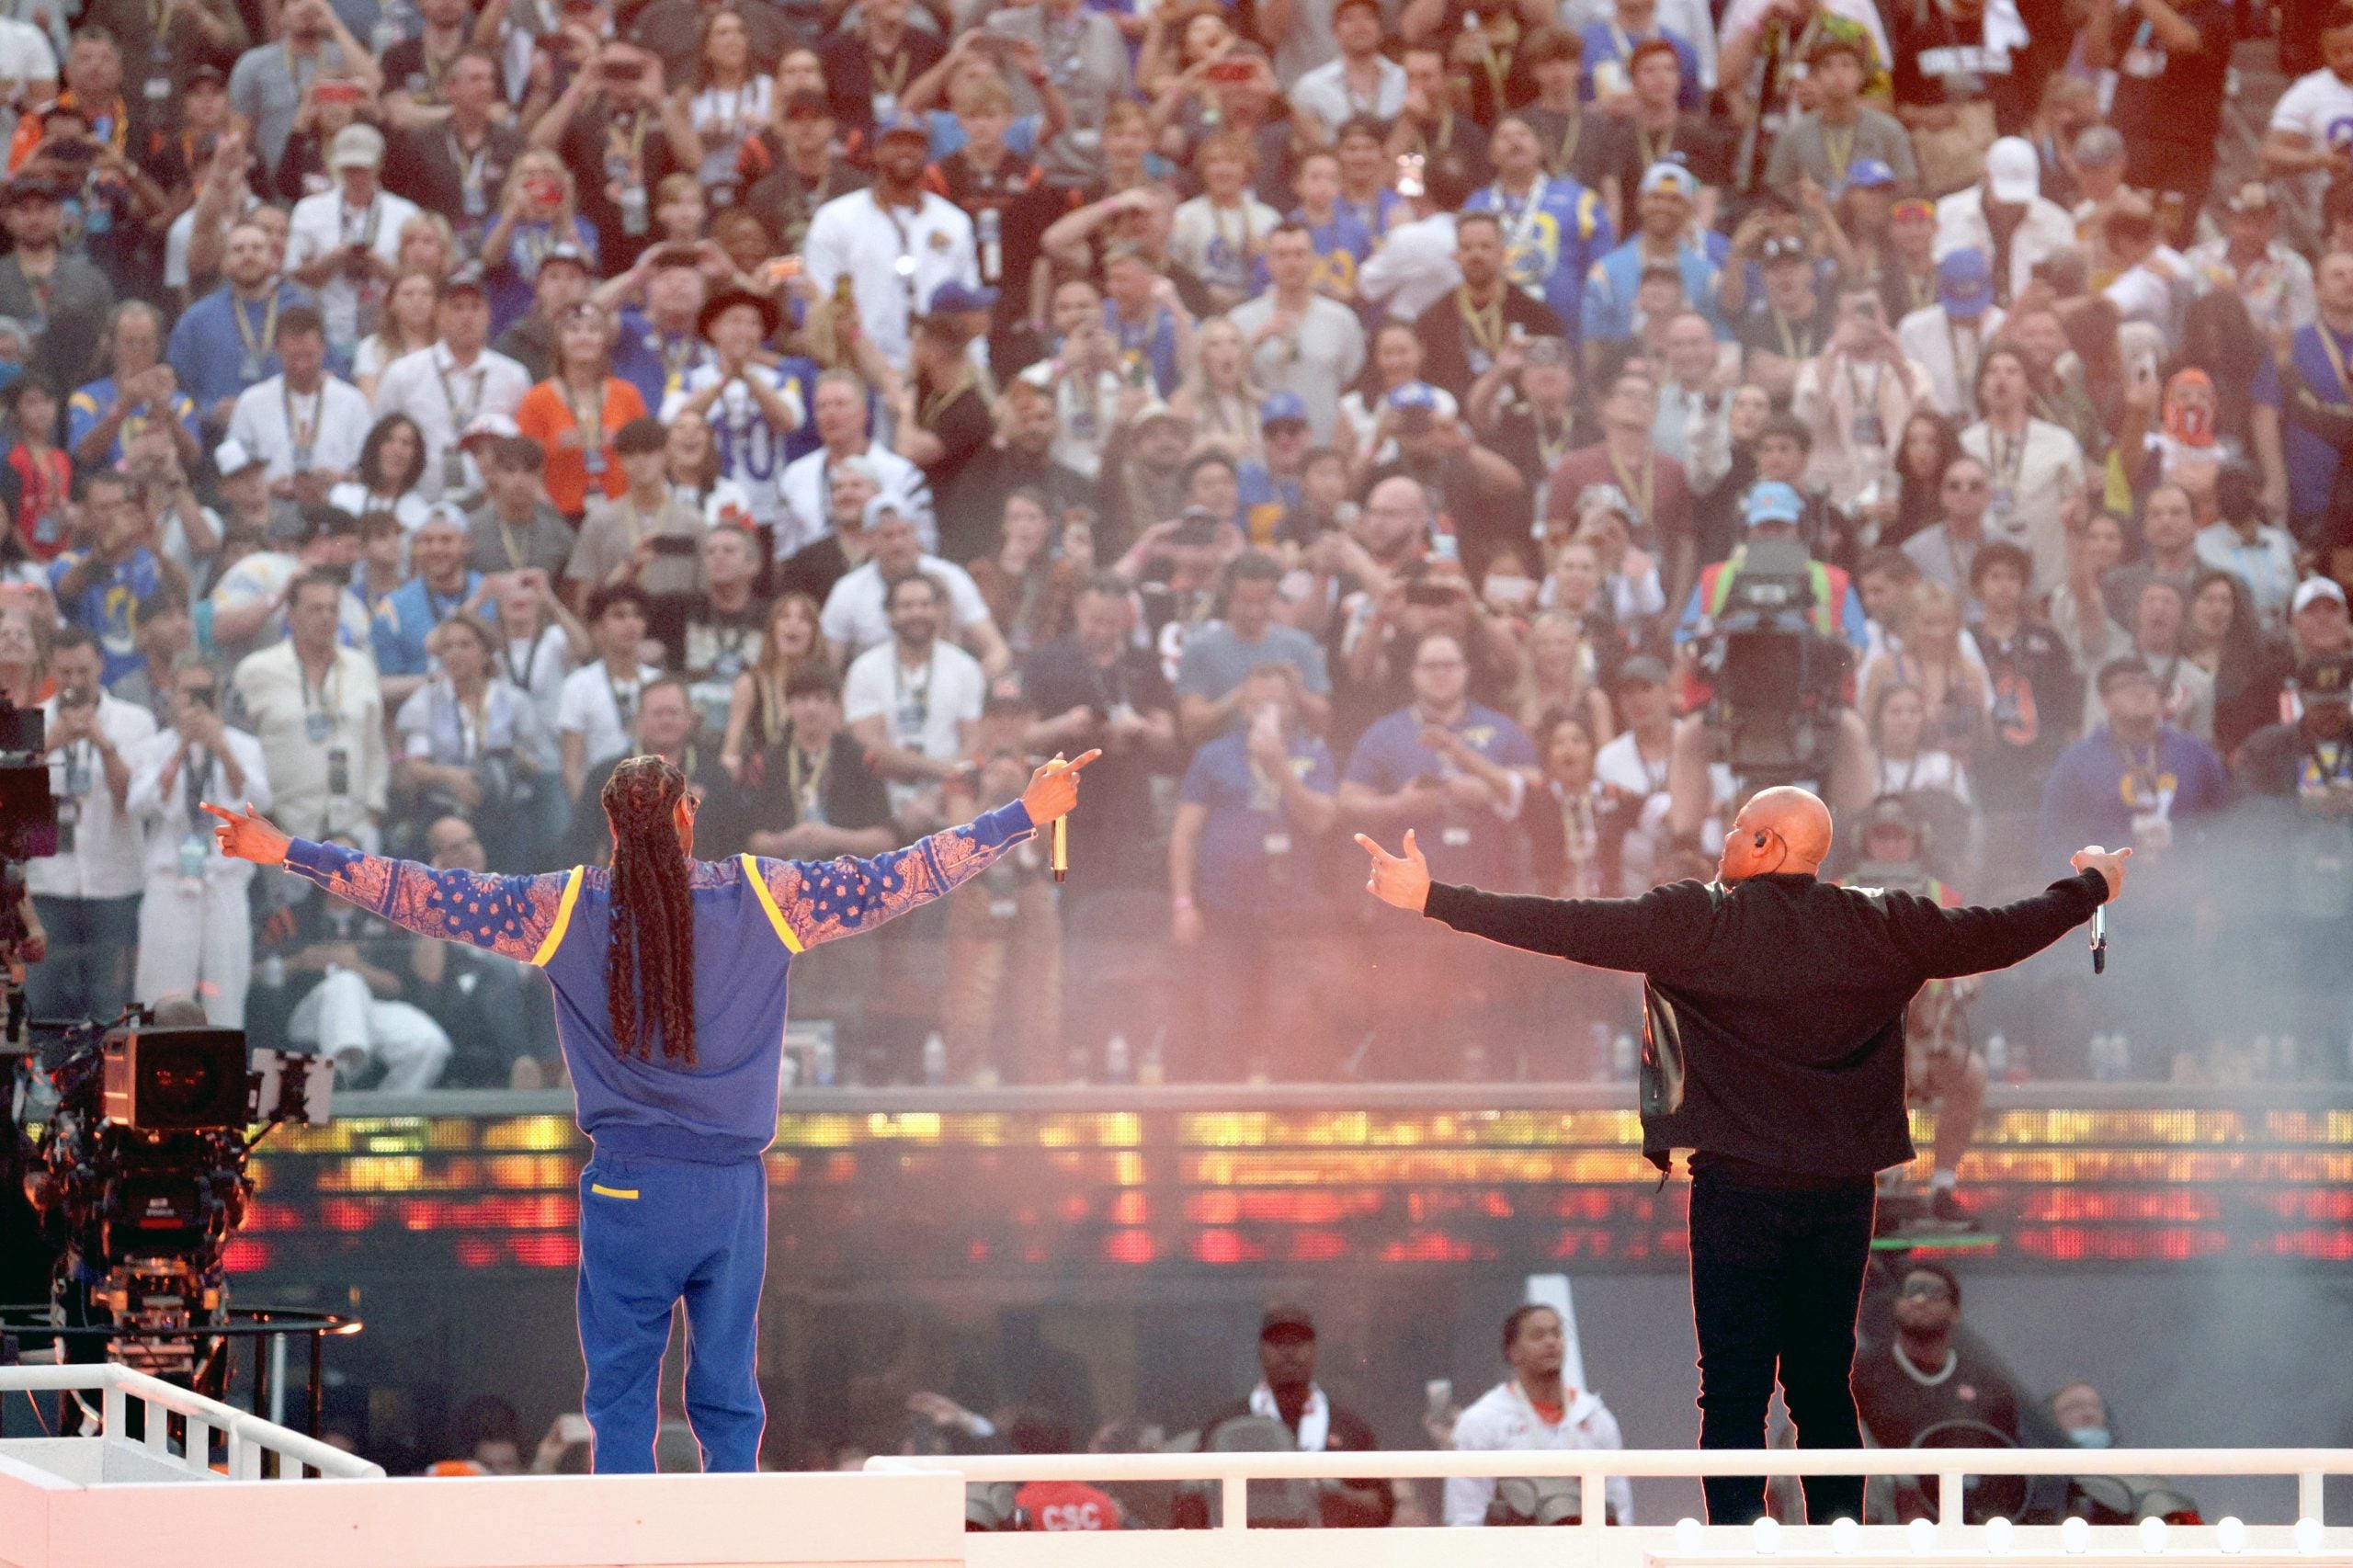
x=1592, y=1468
x=248, y=1436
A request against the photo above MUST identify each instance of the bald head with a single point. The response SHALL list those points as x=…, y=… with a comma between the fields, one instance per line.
x=1794, y=825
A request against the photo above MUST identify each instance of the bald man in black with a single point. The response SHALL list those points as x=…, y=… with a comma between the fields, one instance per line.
x=1773, y=1049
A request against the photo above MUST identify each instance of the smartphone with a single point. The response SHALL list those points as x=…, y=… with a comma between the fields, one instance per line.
x=844, y=293
x=339, y=92
x=674, y=544
x=1229, y=72
x=624, y=70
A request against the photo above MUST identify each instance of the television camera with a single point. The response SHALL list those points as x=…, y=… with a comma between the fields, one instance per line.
x=140, y=1175
x=1775, y=682
x=134, y=1138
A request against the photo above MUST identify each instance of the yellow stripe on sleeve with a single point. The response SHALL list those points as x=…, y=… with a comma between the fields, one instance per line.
x=767, y=901
x=562, y=919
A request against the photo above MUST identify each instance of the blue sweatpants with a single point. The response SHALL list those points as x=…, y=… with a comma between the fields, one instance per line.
x=653, y=1233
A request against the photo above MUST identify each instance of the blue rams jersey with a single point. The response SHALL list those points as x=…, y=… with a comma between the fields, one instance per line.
x=751, y=916
x=1550, y=237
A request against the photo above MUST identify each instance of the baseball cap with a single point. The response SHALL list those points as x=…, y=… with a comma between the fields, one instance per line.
x=1771, y=501
x=467, y=279
x=1282, y=408
x=213, y=74
x=954, y=298
x=1156, y=411
x=564, y=250
x=487, y=426
x=1413, y=394
x=2326, y=678
x=1965, y=282
x=2252, y=196
x=1640, y=670
x=27, y=188
x=357, y=146
x=1287, y=1320
x=878, y=505
x=232, y=457
x=1868, y=174
x=1781, y=247
x=446, y=514
x=1664, y=175
x=1594, y=499
x=1547, y=351
x=2012, y=171
x=2312, y=589
x=904, y=122
x=2117, y=671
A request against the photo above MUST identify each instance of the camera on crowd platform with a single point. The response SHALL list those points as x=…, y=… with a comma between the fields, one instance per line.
x=1775, y=679
x=205, y=1079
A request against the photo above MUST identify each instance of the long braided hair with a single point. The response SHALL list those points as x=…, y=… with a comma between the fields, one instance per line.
x=651, y=954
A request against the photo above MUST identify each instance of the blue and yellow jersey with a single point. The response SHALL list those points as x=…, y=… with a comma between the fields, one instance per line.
x=751, y=916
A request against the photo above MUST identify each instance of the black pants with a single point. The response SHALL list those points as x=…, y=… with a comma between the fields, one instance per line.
x=1776, y=1279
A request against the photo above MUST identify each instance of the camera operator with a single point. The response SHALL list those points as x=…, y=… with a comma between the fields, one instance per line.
x=1817, y=609
x=195, y=938
x=86, y=895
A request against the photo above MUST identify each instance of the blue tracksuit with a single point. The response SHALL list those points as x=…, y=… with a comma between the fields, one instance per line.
x=674, y=1201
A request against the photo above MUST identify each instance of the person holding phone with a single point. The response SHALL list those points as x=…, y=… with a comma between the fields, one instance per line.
x=671, y=977
x=194, y=937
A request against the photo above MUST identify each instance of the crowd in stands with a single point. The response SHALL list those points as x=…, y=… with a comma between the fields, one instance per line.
x=1531, y=426
x=1923, y=1377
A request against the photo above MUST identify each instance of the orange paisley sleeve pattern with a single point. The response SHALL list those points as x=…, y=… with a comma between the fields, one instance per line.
x=824, y=901
x=510, y=916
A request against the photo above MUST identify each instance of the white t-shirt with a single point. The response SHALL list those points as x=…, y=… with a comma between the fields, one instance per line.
x=751, y=451
x=108, y=844
x=2319, y=108
x=853, y=234
x=428, y=387
x=321, y=224
x=923, y=710
x=600, y=710
x=806, y=481
x=1217, y=245
x=351, y=496
x=273, y=421
x=539, y=667
x=1618, y=766
x=854, y=613
x=25, y=54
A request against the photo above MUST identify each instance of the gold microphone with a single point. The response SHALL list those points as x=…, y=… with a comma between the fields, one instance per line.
x=1061, y=852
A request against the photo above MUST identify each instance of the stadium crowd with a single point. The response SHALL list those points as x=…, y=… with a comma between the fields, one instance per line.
x=1531, y=426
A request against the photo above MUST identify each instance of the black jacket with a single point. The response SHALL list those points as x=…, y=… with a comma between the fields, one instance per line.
x=1773, y=1035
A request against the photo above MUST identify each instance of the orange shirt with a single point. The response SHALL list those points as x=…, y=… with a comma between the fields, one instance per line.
x=547, y=417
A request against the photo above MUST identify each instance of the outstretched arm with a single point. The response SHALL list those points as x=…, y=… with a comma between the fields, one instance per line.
x=510, y=916
x=1633, y=934
x=1953, y=942
x=825, y=901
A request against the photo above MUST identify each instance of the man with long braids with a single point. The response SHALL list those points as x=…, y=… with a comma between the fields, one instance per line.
x=670, y=979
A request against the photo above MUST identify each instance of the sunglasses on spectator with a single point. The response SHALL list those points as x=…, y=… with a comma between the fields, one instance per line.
x=1930, y=1290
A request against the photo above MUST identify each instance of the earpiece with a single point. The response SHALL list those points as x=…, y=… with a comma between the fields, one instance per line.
x=1760, y=841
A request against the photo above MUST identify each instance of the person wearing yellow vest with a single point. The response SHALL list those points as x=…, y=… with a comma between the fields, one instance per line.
x=1771, y=511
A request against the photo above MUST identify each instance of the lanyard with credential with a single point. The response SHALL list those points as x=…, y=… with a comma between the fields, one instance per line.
x=460, y=415
x=906, y=266
x=2335, y=359
x=257, y=346
x=1641, y=495
x=1486, y=324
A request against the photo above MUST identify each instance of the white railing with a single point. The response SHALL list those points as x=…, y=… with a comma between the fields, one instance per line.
x=1232, y=1472
x=248, y=1436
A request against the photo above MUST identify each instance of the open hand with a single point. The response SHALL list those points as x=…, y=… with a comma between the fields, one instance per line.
x=1405, y=882
x=249, y=836
x=2109, y=863
x=1053, y=789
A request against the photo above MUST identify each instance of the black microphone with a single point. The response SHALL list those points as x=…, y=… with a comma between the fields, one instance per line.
x=2099, y=940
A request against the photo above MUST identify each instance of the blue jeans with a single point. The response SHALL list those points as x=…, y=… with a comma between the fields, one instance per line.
x=653, y=1233
x=87, y=972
